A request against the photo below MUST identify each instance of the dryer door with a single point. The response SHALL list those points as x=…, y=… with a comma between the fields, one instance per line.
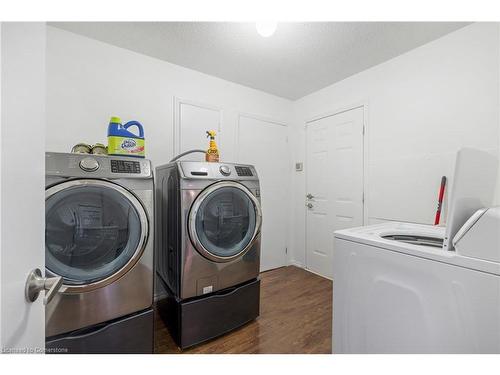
x=224, y=221
x=95, y=232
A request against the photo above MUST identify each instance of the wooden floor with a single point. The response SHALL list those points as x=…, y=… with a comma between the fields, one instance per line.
x=295, y=317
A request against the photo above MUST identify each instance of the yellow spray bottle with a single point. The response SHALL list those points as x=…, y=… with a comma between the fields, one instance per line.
x=212, y=154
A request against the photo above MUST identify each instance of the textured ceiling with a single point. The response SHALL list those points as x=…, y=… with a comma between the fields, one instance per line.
x=298, y=59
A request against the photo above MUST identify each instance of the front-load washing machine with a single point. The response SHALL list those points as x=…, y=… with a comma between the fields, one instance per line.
x=208, y=247
x=99, y=232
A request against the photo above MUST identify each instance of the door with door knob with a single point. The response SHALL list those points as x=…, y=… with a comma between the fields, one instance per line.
x=23, y=50
x=36, y=284
x=334, y=184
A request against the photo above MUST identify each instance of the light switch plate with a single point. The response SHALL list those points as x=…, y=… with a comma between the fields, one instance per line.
x=298, y=167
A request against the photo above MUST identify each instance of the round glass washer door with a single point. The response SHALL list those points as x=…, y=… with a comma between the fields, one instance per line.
x=224, y=220
x=95, y=231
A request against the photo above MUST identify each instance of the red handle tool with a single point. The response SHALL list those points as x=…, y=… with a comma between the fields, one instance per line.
x=440, y=200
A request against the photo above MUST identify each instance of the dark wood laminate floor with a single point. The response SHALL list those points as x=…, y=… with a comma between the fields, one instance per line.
x=295, y=317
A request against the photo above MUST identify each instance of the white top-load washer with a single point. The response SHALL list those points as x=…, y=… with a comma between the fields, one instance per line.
x=414, y=288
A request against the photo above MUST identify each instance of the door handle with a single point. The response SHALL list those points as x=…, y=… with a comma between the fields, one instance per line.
x=309, y=196
x=37, y=283
x=309, y=205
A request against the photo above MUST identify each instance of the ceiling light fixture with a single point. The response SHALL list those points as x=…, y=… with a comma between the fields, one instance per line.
x=266, y=29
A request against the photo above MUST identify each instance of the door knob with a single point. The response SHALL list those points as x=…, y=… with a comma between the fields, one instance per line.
x=309, y=205
x=37, y=283
x=309, y=196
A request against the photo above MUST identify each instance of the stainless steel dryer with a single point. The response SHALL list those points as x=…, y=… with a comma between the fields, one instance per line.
x=208, y=247
x=99, y=237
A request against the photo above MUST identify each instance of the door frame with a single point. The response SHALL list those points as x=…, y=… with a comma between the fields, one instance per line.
x=362, y=104
x=177, y=120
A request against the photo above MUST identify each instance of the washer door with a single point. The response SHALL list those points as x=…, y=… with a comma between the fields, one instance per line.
x=224, y=220
x=95, y=232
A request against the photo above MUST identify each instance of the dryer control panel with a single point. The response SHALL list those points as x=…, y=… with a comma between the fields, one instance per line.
x=96, y=166
x=217, y=171
x=125, y=166
x=243, y=171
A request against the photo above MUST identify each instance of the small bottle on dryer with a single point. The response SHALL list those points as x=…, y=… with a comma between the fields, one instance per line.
x=212, y=154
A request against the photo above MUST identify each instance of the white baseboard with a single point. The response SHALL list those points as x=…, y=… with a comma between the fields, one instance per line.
x=323, y=276
x=293, y=262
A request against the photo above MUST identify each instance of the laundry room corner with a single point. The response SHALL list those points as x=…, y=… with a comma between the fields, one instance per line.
x=392, y=90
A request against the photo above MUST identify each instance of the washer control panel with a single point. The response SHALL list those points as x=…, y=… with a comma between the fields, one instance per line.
x=225, y=170
x=96, y=166
x=243, y=171
x=89, y=164
x=216, y=171
x=125, y=166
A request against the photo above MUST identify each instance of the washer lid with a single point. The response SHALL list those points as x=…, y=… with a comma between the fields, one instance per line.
x=474, y=184
x=95, y=232
x=480, y=236
x=224, y=221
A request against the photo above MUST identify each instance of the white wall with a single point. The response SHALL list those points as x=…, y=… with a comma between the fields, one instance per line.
x=88, y=81
x=421, y=107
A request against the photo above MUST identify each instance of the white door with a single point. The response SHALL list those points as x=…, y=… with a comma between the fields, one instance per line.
x=22, y=189
x=265, y=145
x=192, y=122
x=334, y=185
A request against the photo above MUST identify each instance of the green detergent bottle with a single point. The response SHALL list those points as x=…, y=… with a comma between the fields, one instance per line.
x=122, y=142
